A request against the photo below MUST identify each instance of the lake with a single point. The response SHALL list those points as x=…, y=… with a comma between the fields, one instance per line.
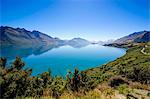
x=64, y=58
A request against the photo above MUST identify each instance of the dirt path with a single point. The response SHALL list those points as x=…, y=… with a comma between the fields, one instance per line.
x=143, y=50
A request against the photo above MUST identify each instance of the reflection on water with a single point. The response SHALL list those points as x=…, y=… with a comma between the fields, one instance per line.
x=11, y=51
x=60, y=59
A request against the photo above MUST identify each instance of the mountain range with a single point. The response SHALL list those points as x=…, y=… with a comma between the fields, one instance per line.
x=21, y=36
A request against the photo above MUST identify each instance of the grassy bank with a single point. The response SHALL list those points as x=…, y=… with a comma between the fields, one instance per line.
x=124, y=65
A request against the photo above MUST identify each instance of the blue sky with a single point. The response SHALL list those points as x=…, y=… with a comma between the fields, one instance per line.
x=89, y=19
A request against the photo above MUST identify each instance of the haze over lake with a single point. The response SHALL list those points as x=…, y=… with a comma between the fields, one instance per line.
x=64, y=58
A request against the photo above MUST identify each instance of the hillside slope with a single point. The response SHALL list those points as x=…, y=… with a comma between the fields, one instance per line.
x=133, y=57
x=142, y=36
x=131, y=71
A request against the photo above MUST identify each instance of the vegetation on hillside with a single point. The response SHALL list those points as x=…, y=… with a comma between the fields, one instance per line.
x=132, y=69
x=127, y=76
x=134, y=65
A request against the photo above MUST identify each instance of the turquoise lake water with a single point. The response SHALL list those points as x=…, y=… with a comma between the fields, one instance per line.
x=64, y=58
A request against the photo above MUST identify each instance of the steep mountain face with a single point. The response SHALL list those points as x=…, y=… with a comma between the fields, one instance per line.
x=142, y=36
x=78, y=42
x=19, y=36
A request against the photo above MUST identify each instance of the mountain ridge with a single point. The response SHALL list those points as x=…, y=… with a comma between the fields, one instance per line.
x=21, y=36
x=134, y=37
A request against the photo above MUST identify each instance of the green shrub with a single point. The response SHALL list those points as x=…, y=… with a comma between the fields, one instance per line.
x=124, y=89
x=57, y=86
x=79, y=81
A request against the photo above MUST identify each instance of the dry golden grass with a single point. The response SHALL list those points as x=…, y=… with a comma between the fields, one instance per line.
x=137, y=85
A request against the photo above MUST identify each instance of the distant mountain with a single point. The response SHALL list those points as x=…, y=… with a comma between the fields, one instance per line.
x=102, y=42
x=142, y=36
x=78, y=42
x=23, y=37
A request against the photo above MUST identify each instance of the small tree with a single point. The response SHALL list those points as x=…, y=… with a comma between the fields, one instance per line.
x=3, y=62
x=18, y=63
x=79, y=81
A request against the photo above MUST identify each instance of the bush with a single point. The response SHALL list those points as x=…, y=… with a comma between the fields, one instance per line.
x=57, y=86
x=79, y=81
x=3, y=62
x=116, y=81
x=140, y=74
x=16, y=82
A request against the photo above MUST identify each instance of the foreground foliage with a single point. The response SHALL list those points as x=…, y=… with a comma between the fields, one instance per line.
x=15, y=81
